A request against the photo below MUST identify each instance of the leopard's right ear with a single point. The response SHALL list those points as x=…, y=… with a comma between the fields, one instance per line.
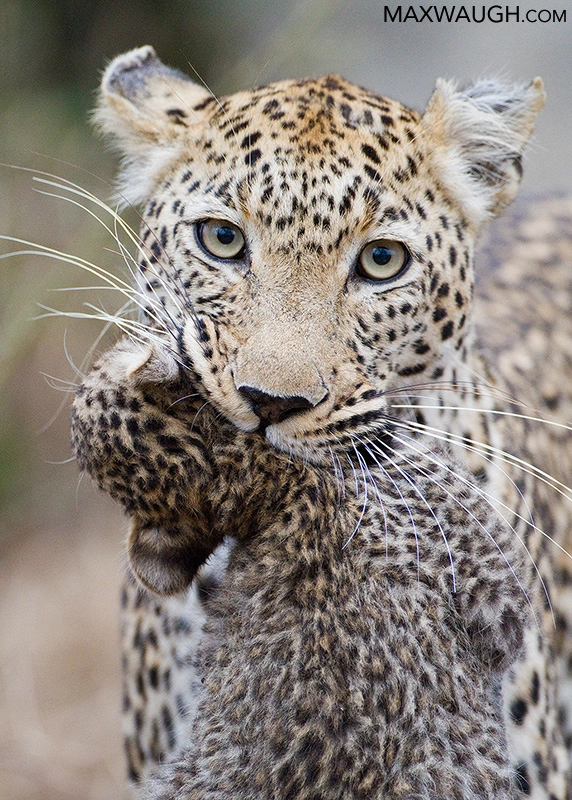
x=147, y=109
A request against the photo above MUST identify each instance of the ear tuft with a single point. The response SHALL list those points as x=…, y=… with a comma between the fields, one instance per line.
x=125, y=75
x=147, y=108
x=480, y=135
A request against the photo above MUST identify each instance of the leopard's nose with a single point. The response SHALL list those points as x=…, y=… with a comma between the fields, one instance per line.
x=272, y=409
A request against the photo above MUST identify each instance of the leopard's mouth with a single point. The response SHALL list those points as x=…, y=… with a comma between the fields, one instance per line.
x=272, y=410
x=332, y=432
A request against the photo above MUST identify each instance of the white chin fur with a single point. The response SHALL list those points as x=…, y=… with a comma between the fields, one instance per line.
x=293, y=446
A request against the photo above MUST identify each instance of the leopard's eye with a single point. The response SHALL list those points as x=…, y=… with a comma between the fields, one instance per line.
x=221, y=238
x=382, y=260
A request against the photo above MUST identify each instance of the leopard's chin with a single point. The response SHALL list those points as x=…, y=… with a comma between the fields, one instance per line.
x=361, y=446
x=308, y=448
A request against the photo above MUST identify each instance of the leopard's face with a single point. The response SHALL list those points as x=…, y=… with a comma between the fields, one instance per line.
x=308, y=246
x=270, y=228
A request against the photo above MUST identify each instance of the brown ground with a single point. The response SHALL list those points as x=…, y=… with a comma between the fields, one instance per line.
x=59, y=662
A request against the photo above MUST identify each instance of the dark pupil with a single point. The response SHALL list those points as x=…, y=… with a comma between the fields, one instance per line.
x=381, y=255
x=225, y=235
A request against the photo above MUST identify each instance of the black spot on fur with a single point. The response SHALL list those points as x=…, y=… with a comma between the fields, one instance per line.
x=250, y=140
x=535, y=687
x=177, y=115
x=372, y=173
x=447, y=330
x=518, y=710
x=252, y=157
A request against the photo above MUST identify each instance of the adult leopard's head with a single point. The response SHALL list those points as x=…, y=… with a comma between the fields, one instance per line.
x=308, y=245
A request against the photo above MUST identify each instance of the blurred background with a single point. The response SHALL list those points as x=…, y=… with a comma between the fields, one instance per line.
x=60, y=541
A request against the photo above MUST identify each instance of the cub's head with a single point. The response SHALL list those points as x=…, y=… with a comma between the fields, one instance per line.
x=307, y=246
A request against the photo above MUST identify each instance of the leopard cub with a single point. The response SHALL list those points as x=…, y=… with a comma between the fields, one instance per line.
x=354, y=649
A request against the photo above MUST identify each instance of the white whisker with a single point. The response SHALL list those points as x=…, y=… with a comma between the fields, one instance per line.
x=456, y=387
x=416, y=489
x=365, y=496
x=339, y=475
x=61, y=463
x=118, y=222
x=400, y=493
x=491, y=411
x=495, y=502
x=479, y=448
x=185, y=397
x=111, y=280
x=129, y=261
x=491, y=501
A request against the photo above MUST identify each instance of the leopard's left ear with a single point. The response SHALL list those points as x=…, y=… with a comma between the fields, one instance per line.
x=477, y=139
x=147, y=109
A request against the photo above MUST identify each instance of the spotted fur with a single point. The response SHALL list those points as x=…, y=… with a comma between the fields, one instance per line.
x=294, y=406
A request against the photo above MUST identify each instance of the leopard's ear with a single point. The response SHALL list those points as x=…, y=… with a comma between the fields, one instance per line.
x=477, y=139
x=147, y=109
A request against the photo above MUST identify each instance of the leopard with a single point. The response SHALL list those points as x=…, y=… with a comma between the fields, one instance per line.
x=338, y=426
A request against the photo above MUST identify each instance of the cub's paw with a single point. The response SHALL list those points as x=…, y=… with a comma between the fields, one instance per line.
x=497, y=605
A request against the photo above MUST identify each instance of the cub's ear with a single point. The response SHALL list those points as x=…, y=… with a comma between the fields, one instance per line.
x=165, y=560
x=147, y=108
x=478, y=136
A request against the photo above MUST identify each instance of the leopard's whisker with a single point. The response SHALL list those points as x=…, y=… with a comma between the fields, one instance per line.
x=465, y=387
x=381, y=505
x=338, y=472
x=494, y=502
x=485, y=496
x=479, y=448
x=490, y=411
x=62, y=462
x=183, y=398
x=78, y=371
x=158, y=306
x=363, y=469
x=100, y=314
x=403, y=500
x=204, y=405
x=354, y=473
x=111, y=280
x=92, y=348
x=60, y=384
x=366, y=443
x=118, y=221
x=493, y=462
x=135, y=330
x=88, y=196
